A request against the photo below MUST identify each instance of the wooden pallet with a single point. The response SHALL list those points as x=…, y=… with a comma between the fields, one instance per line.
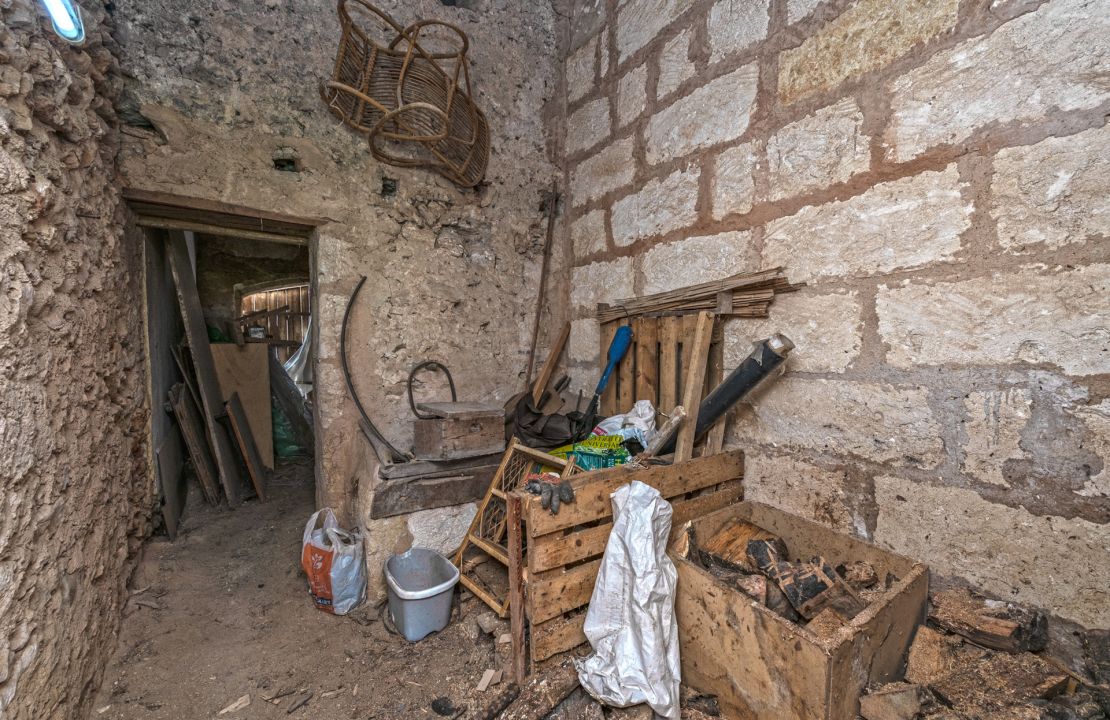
x=558, y=571
x=485, y=540
x=657, y=364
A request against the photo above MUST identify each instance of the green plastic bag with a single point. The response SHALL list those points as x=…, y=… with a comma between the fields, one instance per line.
x=285, y=443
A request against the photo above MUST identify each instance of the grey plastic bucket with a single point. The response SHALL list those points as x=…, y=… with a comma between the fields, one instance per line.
x=420, y=584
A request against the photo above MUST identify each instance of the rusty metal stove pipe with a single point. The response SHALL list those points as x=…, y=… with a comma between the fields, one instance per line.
x=766, y=358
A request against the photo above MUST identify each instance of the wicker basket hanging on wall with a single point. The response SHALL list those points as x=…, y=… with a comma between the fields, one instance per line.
x=411, y=97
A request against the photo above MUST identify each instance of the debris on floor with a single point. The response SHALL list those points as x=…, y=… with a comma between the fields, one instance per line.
x=236, y=621
x=990, y=623
x=951, y=672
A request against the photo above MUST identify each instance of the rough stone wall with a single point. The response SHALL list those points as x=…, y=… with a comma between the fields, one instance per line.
x=936, y=172
x=218, y=90
x=75, y=490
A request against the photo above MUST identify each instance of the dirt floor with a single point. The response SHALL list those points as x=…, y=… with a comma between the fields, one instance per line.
x=222, y=616
x=224, y=612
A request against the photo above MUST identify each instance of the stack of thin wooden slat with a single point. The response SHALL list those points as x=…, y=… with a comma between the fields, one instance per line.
x=746, y=295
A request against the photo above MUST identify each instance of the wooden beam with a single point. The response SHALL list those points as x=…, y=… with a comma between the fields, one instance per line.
x=220, y=230
x=147, y=199
x=692, y=391
x=430, y=469
x=203, y=363
x=408, y=495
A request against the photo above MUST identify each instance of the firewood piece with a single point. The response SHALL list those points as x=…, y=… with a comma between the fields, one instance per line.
x=993, y=624
x=894, y=701
x=542, y=693
x=813, y=586
x=765, y=553
x=489, y=677
x=860, y=575
x=239, y=704
x=731, y=543
x=1096, y=649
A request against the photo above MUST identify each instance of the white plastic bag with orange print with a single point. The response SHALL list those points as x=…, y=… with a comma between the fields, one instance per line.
x=332, y=559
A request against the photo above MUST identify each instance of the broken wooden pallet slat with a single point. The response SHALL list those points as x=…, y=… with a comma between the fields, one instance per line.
x=557, y=635
x=715, y=439
x=694, y=385
x=551, y=595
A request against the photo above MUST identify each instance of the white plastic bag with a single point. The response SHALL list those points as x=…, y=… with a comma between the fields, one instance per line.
x=631, y=623
x=332, y=559
x=641, y=416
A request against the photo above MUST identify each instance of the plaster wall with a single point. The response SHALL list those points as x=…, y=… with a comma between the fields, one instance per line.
x=936, y=173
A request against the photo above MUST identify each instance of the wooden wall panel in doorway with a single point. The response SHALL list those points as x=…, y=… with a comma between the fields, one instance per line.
x=287, y=312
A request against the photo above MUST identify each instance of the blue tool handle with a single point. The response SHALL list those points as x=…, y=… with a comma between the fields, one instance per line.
x=622, y=340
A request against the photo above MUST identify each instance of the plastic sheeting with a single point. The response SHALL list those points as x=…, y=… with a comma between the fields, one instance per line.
x=631, y=624
x=299, y=364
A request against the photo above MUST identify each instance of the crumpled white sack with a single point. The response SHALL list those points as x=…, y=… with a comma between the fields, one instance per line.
x=630, y=623
x=641, y=416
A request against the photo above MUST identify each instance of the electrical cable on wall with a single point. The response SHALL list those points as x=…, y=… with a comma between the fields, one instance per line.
x=395, y=454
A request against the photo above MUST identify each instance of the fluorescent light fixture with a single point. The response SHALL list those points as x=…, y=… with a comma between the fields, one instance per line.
x=67, y=20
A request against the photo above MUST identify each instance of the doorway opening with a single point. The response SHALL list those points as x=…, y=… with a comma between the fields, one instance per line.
x=229, y=296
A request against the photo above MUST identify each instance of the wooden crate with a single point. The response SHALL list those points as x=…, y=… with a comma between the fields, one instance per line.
x=760, y=665
x=563, y=551
x=460, y=430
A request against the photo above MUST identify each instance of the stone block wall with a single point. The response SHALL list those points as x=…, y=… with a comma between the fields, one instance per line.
x=75, y=491
x=216, y=91
x=936, y=172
